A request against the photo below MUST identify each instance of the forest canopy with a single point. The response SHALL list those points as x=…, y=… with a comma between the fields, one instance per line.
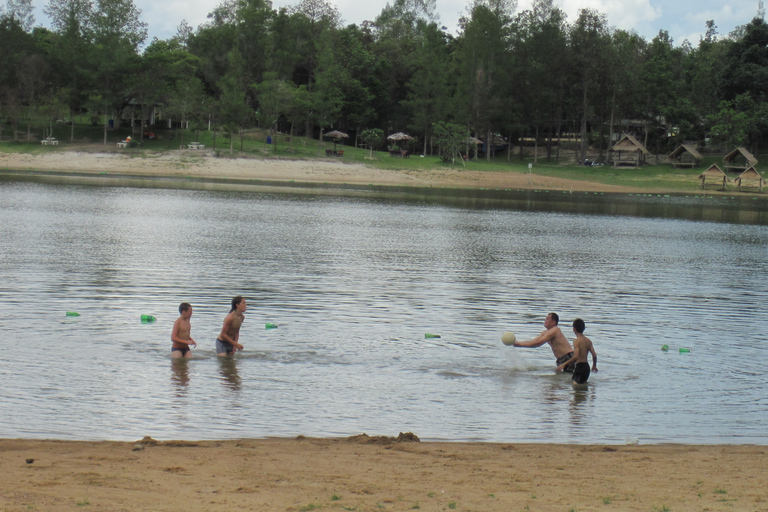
x=512, y=74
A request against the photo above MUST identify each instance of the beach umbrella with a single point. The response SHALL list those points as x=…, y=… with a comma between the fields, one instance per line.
x=399, y=136
x=336, y=135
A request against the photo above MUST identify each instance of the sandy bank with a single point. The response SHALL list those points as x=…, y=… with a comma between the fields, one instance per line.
x=204, y=165
x=364, y=475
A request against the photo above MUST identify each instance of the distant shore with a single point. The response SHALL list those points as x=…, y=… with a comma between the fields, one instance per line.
x=367, y=473
x=194, y=164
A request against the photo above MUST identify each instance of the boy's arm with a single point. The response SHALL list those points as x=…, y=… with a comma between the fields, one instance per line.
x=175, y=335
x=223, y=336
x=574, y=358
x=594, y=358
x=175, y=332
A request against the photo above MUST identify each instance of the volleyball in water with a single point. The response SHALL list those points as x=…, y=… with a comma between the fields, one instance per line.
x=508, y=338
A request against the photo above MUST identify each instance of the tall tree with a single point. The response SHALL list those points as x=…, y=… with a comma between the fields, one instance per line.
x=589, y=35
x=428, y=89
x=71, y=19
x=539, y=82
x=746, y=65
x=117, y=34
x=483, y=60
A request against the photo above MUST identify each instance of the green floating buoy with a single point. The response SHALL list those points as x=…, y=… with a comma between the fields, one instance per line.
x=428, y=336
x=684, y=350
x=270, y=326
x=147, y=319
x=73, y=313
x=665, y=348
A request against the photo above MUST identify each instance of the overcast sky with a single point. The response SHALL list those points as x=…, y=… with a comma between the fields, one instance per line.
x=682, y=19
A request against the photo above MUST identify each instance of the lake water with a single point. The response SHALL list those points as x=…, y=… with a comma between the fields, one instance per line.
x=354, y=284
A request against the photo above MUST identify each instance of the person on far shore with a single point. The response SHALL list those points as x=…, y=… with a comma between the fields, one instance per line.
x=180, y=334
x=581, y=346
x=556, y=339
x=227, y=342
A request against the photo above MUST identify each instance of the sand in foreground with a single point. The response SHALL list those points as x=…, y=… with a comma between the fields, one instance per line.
x=377, y=474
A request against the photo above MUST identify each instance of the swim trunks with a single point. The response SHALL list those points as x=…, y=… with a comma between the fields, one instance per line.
x=182, y=350
x=564, y=358
x=223, y=346
x=581, y=373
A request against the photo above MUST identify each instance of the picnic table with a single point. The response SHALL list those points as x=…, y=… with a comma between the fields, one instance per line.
x=49, y=141
x=331, y=152
x=122, y=144
x=195, y=145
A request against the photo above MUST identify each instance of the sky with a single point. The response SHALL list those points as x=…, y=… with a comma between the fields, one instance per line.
x=682, y=19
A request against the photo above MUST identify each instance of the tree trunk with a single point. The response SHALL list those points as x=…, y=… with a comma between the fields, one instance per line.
x=584, y=125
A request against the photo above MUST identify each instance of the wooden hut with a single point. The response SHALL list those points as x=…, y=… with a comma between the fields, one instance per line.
x=739, y=160
x=714, y=174
x=752, y=177
x=685, y=156
x=628, y=151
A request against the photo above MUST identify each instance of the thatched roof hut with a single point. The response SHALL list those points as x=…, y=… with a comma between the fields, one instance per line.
x=714, y=174
x=634, y=152
x=685, y=155
x=739, y=159
x=752, y=177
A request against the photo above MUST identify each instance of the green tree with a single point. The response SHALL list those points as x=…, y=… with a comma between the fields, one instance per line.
x=373, y=138
x=746, y=65
x=589, y=35
x=71, y=19
x=539, y=82
x=450, y=138
x=274, y=96
x=428, y=89
x=117, y=34
x=483, y=59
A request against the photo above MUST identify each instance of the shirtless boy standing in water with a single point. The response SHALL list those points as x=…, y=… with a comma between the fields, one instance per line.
x=556, y=339
x=180, y=335
x=227, y=342
x=581, y=347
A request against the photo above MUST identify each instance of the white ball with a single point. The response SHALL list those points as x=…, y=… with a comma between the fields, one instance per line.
x=508, y=338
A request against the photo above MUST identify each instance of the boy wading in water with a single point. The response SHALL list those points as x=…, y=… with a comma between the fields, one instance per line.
x=180, y=335
x=581, y=347
x=227, y=342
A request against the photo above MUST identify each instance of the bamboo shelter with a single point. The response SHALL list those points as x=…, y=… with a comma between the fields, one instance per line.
x=714, y=174
x=628, y=151
x=739, y=160
x=752, y=177
x=685, y=155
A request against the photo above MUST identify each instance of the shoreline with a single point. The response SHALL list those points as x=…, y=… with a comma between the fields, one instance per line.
x=453, y=188
x=202, y=165
x=376, y=473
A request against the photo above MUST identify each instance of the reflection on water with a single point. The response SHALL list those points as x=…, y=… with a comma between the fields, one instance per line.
x=228, y=371
x=180, y=374
x=354, y=284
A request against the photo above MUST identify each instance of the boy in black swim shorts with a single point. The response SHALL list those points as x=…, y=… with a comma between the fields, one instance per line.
x=180, y=335
x=581, y=347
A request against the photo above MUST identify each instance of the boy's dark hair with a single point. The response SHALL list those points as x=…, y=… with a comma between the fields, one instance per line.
x=237, y=300
x=579, y=325
x=184, y=306
x=555, y=317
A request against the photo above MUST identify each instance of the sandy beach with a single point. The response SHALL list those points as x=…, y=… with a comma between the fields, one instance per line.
x=202, y=164
x=376, y=473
